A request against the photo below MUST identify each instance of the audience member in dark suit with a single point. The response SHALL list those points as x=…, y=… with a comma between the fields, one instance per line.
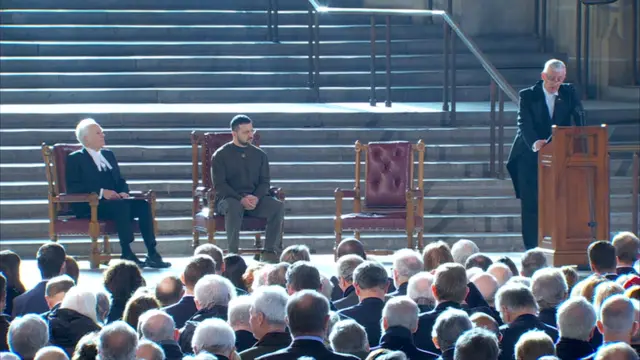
x=406, y=263
x=197, y=267
x=4, y=319
x=602, y=259
x=121, y=279
x=55, y=292
x=370, y=281
x=576, y=324
x=50, y=258
x=157, y=326
x=215, y=337
x=627, y=247
x=549, y=287
x=449, y=326
x=95, y=170
x=549, y=102
x=307, y=318
x=345, y=266
x=239, y=315
x=518, y=309
x=400, y=322
x=304, y=276
x=268, y=322
x=10, y=268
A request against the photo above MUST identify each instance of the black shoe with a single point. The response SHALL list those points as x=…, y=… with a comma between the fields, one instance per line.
x=134, y=258
x=155, y=261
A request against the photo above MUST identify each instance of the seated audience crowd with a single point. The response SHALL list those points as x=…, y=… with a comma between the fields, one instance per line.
x=446, y=303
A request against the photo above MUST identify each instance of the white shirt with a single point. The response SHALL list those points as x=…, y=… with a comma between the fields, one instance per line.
x=101, y=162
x=551, y=101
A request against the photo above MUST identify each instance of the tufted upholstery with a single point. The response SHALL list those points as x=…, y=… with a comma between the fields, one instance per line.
x=388, y=174
x=378, y=221
x=59, y=154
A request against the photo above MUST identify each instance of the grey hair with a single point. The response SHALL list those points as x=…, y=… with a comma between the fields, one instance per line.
x=117, y=341
x=346, y=265
x=203, y=355
x=294, y=253
x=534, y=344
x=334, y=318
x=4, y=355
x=449, y=325
x=501, y=272
x=271, y=301
x=576, y=318
x=614, y=350
x=27, y=335
x=532, y=261
x=103, y=305
x=51, y=353
x=277, y=274
x=549, y=287
x=327, y=286
x=239, y=311
x=156, y=325
x=81, y=301
x=463, y=249
x=213, y=290
x=520, y=280
x=477, y=344
x=407, y=263
x=515, y=297
x=419, y=289
x=401, y=311
x=156, y=351
x=617, y=314
x=554, y=64
x=83, y=127
x=349, y=337
x=214, y=336
x=261, y=276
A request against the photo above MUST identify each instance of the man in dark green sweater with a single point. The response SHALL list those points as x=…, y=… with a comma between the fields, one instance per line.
x=240, y=173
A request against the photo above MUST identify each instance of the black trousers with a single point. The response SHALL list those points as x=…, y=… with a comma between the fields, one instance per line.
x=268, y=208
x=528, y=184
x=122, y=212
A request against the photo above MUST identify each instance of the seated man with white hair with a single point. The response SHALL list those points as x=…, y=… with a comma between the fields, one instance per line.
x=576, y=319
x=117, y=341
x=212, y=296
x=406, y=263
x=159, y=327
x=75, y=318
x=550, y=289
x=51, y=353
x=419, y=290
x=449, y=326
x=399, y=323
x=215, y=337
x=267, y=319
x=345, y=266
x=462, y=250
x=148, y=350
x=27, y=335
x=238, y=316
x=94, y=169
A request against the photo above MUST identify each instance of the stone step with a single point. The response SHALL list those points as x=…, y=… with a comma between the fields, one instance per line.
x=258, y=63
x=514, y=43
x=171, y=188
x=312, y=206
x=299, y=32
x=321, y=224
x=465, y=77
x=167, y=4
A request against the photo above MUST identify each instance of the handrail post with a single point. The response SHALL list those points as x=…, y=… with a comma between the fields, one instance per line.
x=317, y=55
x=445, y=94
x=372, y=95
x=579, y=44
x=536, y=18
x=430, y=7
x=452, y=114
x=492, y=129
x=587, y=56
x=269, y=24
x=500, y=134
x=276, y=22
x=636, y=192
x=311, y=83
x=388, y=62
x=543, y=15
x=634, y=38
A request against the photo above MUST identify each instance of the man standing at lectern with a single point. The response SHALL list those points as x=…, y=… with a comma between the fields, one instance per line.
x=549, y=102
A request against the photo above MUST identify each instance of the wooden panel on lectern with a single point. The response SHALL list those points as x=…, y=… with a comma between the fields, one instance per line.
x=573, y=181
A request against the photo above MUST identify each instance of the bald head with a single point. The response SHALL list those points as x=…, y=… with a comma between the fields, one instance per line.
x=617, y=319
x=500, y=272
x=51, y=353
x=351, y=246
x=488, y=286
x=484, y=321
x=462, y=250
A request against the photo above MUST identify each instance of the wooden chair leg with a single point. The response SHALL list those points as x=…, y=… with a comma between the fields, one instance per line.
x=211, y=231
x=410, y=239
x=106, y=250
x=196, y=239
x=94, y=258
x=356, y=234
x=420, y=240
x=258, y=242
x=335, y=248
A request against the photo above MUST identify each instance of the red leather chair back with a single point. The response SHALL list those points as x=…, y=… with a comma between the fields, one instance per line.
x=388, y=174
x=210, y=143
x=59, y=154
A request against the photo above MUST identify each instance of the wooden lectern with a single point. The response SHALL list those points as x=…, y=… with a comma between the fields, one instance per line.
x=573, y=193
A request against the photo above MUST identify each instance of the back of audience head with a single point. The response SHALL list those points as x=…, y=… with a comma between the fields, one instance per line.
x=419, y=289
x=450, y=283
x=533, y=345
x=487, y=285
x=137, y=306
x=215, y=253
x=56, y=289
x=462, y=250
x=635, y=338
x=448, y=327
x=512, y=266
x=295, y=253
x=349, y=337
x=117, y=341
x=334, y=318
x=514, y=300
x=72, y=268
x=571, y=277
x=617, y=321
x=10, y=267
x=549, y=288
x=234, y=268
x=532, y=261
x=345, y=266
x=604, y=291
x=149, y=350
x=627, y=247
x=239, y=312
x=169, y=290
x=50, y=258
x=500, y=272
x=307, y=313
x=484, y=321
x=122, y=279
x=400, y=311
x=303, y=276
x=5, y=355
x=27, y=335
x=214, y=336
x=257, y=276
x=202, y=355
x=326, y=288
x=602, y=257
x=436, y=254
x=520, y=280
x=197, y=267
x=213, y=290
x=157, y=326
x=477, y=344
x=576, y=319
x=81, y=301
x=87, y=347
x=406, y=263
x=51, y=353
x=277, y=274
x=587, y=287
x=479, y=260
x=616, y=351
x=350, y=246
x=268, y=310
x=103, y=305
x=633, y=292
x=370, y=279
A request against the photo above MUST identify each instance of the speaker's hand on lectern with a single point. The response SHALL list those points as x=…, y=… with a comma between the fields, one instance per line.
x=538, y=145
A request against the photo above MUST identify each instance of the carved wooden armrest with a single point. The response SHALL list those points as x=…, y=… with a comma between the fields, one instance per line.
x=75, y=198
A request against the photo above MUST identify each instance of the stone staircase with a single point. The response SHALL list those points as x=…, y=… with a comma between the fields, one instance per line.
x=152, y=71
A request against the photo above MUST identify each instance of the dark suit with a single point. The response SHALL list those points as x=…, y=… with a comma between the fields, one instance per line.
x=311, y=348
x=244, y=340
x=511, y=333
x=548, y=316
x=5, y=322
x=32, y=301
x=626, y=270
x=171, y=350
x=534, y=123
x=269, y=343
x=350, y=299
x=182, y=311
x=83, y=176
x=571, y=349
x=368, y=314
x=400, y=338
x=401, y=291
